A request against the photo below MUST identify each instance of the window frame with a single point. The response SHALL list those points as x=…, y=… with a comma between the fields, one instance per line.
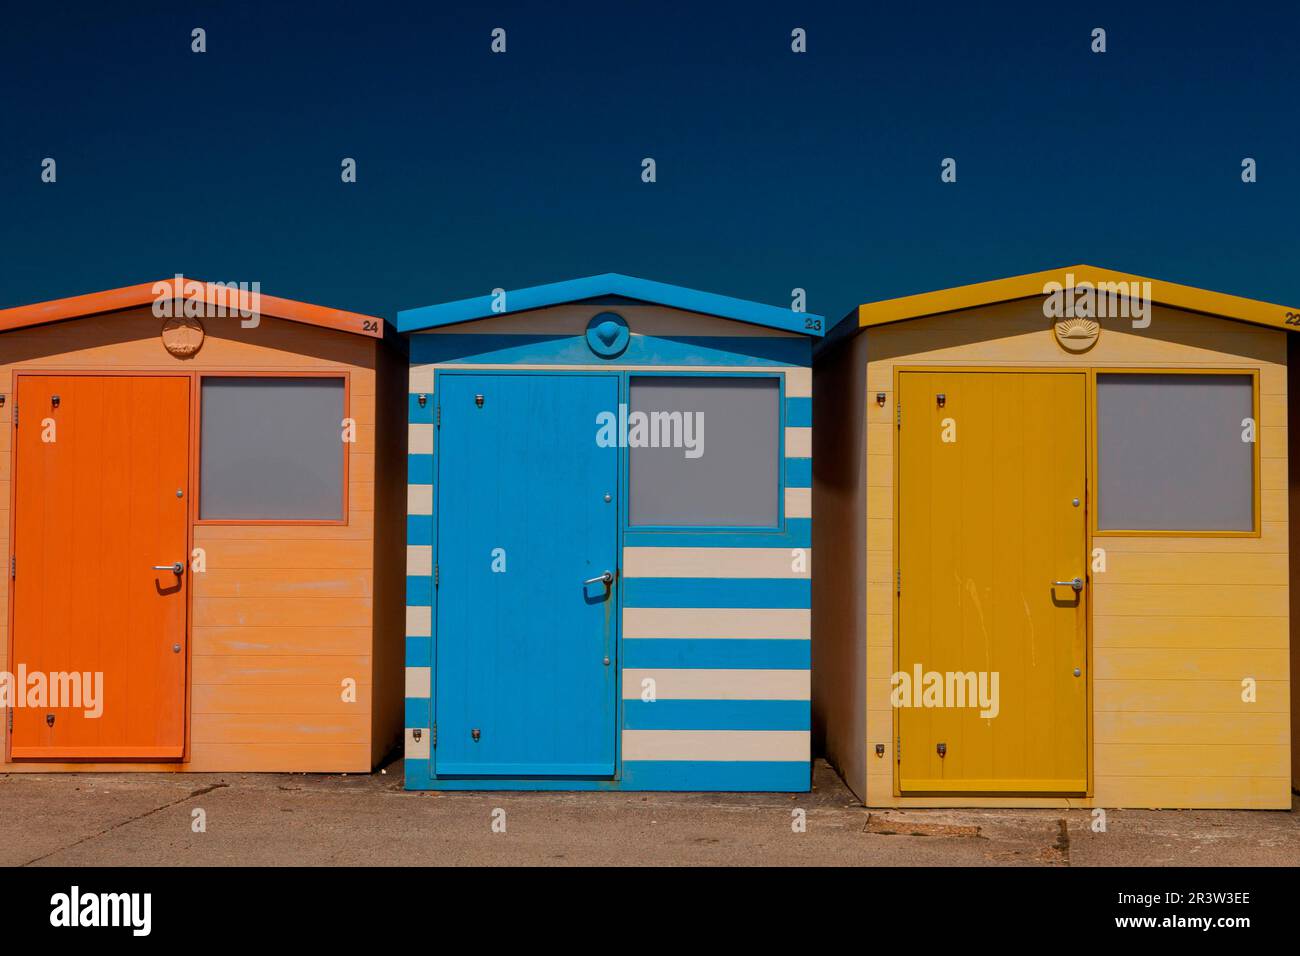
x=1253, y=372
x=721, y=373
x=197, y=441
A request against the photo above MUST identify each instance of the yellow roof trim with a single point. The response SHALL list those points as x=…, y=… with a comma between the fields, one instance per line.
x=1032, y=284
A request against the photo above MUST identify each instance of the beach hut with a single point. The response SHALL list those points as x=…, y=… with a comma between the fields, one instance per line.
x=607, y=540
x=1052, y=546
x=201, y=497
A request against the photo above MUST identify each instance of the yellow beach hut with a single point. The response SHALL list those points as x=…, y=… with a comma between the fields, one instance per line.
x=1052, y=548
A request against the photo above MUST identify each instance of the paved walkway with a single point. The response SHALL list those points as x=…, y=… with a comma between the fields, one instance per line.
x=296, y=819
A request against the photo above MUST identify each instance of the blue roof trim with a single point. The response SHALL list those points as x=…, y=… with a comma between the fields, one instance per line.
x=591, y=287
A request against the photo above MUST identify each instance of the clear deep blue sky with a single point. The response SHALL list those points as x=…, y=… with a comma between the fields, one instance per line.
x=775, y=170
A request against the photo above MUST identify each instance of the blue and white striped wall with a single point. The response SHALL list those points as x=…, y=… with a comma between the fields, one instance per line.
x=719, y=621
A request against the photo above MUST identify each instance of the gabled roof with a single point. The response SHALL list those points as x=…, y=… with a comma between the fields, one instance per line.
x=1032, y=284
x=610, y=284
x=183, y=288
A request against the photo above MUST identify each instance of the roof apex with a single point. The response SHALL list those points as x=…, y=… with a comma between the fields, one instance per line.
x=609, y=283
x=236, y=298
x=1031, y=284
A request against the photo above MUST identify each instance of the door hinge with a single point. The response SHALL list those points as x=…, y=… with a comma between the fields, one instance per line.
x=898, y=748
x=13, y=566
x=433, y=735
x=898, y=414
x=435, y=575
x=10, y=719
x=15, y=414
x=898, y=580
x=437, y=416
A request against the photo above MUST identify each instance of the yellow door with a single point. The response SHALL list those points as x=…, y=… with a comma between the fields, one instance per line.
x=991, y=688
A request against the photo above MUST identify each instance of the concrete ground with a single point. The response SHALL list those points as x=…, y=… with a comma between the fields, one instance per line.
x=310, y=819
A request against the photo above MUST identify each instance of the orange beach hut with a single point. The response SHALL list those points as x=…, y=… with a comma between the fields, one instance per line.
x=201, y=507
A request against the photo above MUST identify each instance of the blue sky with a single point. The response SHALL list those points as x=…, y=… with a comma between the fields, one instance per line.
x=775, y=169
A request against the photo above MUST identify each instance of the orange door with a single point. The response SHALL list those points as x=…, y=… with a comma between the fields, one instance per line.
x=102, y=481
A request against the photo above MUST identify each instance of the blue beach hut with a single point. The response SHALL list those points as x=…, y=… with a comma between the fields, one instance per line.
x=608, y=533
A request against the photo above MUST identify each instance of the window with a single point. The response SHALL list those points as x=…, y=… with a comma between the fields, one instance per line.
x=271, y=449
x=704, y=451
x=1175, y=452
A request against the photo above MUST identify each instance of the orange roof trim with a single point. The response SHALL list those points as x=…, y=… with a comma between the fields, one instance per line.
x=180, y=295
x=1037, y=283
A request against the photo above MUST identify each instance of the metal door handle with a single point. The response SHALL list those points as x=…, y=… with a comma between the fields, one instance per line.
x=1075, y=583
x=606, y=578
x=175, y=567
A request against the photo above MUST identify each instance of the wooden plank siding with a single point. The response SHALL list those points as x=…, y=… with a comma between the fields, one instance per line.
x=1292, y=482
x=1177, y=621
x=283, y=613
x=850, y=490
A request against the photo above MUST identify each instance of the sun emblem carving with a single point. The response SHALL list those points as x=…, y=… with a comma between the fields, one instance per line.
x=1077, y=335
x=182, y=336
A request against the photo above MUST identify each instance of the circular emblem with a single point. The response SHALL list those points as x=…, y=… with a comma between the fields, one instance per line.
x=608, y=335
x=182, y=336
x=1077, y=335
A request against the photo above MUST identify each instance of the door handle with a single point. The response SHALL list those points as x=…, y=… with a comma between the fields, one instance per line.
x=607, y=578
x=175, y=567
x=1075, y=583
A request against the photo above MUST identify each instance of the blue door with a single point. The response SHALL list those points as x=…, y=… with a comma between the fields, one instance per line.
x=527, y=517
